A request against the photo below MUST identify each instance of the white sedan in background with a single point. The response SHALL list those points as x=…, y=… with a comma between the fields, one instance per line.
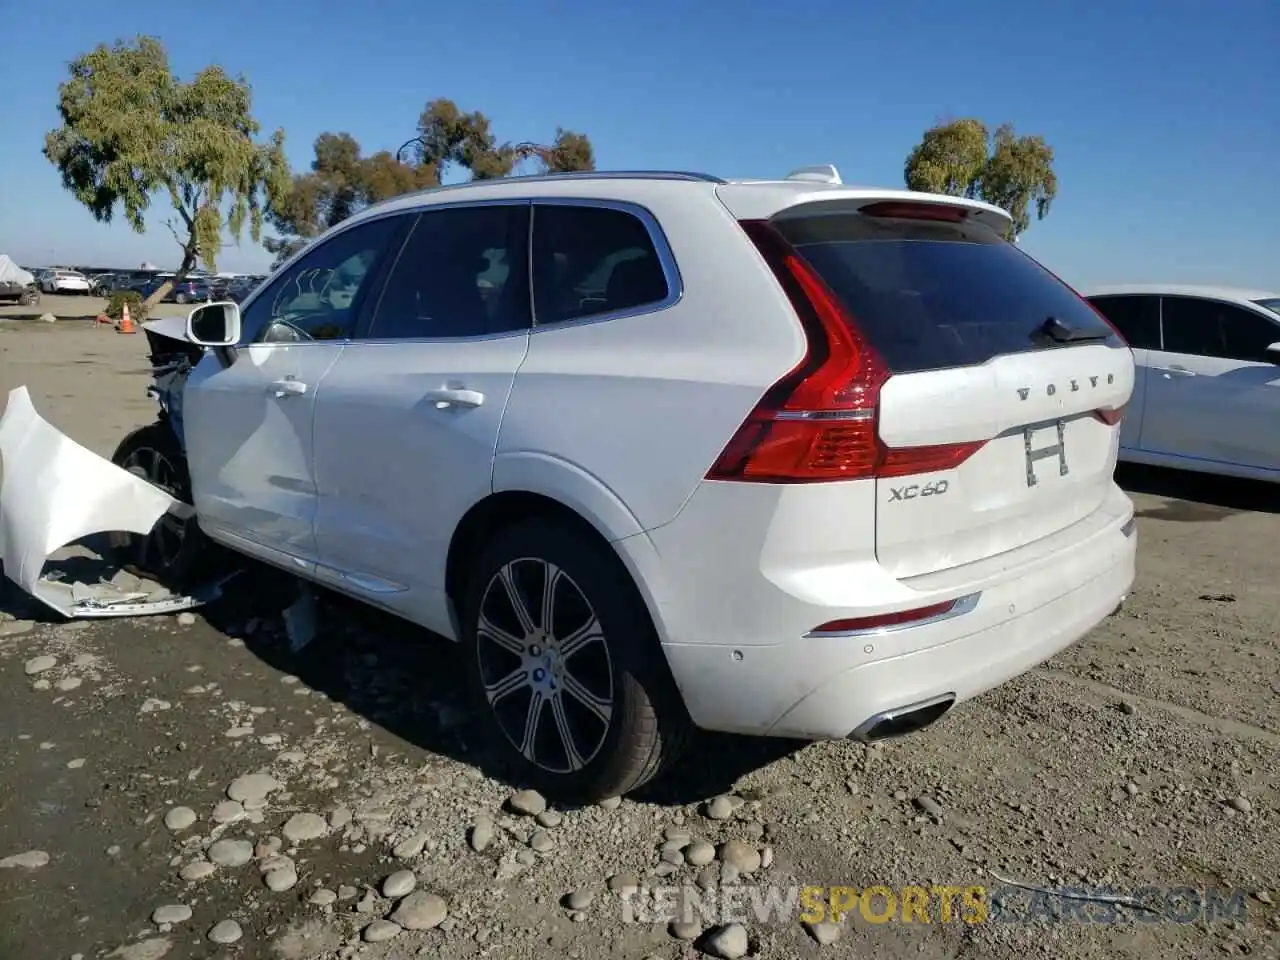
x=1207, y=392
x=66, y=281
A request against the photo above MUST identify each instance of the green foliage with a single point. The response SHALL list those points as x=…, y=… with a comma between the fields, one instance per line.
x=131, y=130
x=117, y=300
x=962, y=159
x=342, y=181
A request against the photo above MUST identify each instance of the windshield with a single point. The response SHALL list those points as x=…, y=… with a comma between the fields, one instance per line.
x=1271, y=303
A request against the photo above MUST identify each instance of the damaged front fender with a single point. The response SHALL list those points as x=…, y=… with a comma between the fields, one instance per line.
x=55, y=492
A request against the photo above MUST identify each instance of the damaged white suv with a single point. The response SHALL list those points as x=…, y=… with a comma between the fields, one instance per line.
x=661, y=451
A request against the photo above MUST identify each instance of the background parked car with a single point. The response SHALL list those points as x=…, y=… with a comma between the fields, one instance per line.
x=191, y=290
x=66, y=281
x=1206, y=394
x=239, y=288
x=106, y=284
x=16, y=284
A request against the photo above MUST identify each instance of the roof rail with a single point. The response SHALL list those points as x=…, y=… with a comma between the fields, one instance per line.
x=570, y=175
x=822, y=173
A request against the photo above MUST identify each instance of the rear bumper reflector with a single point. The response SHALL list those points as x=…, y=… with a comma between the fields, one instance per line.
x=897, y=620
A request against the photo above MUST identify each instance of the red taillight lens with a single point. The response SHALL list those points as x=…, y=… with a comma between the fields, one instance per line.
x=915, y=211
x=1110, y=416
x=818, y=423
x=880, y=621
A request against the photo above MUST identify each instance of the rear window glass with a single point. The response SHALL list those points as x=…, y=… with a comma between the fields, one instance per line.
x=931, y=295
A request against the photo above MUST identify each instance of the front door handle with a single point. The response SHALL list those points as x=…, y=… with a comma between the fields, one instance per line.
x=447, y=397
x=287, y=388
x=1175, y=371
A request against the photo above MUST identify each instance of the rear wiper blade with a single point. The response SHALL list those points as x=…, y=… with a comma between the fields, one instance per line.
x=1060, y=332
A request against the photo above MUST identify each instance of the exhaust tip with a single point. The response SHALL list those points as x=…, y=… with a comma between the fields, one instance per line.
x=901, y=721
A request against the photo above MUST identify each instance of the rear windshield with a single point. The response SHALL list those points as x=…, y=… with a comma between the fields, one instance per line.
x=931, y=295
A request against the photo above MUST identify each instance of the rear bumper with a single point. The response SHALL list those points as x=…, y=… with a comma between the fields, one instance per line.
x=1029, y=606
x=850, y=702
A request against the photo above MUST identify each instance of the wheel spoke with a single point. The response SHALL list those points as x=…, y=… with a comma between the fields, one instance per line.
x=587, y=633
x=491, y=631
x=550, y=577
x=513, y=681
x=574, y=688
x=531, y=719
x=565, y=731
x=518, y=606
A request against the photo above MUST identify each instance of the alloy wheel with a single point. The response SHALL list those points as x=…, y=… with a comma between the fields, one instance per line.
x=544, y=665
x=159, y=549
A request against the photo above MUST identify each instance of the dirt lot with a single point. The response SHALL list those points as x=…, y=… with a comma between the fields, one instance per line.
x=1147, y=756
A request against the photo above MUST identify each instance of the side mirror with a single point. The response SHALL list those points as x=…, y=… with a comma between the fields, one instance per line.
x=1273, y=352
x=214, y=325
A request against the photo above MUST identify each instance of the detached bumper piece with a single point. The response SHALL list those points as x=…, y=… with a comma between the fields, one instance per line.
x=56, y=492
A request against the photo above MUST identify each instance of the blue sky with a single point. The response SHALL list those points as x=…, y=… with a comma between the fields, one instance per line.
x=1163, y=115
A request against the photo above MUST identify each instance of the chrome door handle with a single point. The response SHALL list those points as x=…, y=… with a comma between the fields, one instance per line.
x=1170, y=372
x=287, y=388
x=447, y=397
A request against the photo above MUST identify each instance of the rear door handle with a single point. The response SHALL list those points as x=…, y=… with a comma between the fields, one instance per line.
x=287, y=388
x=1170, y=372
x=447, y=397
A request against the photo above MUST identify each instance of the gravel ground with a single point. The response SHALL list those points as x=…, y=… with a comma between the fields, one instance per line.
x=135, y=820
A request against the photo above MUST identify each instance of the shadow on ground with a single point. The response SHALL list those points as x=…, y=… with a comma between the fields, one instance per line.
x=406, y=680
x=38, y=313
x=1197, y=497
x=412, y=683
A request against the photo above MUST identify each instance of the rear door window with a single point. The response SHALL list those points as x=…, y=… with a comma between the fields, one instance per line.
x=1136, y=317
x=930, y=294
x=1210, y=328
x=593, y=260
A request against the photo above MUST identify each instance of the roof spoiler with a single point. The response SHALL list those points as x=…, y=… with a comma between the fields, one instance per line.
x=822, y=173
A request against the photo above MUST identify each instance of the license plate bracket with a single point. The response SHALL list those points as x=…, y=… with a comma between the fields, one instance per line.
x=1036, y=454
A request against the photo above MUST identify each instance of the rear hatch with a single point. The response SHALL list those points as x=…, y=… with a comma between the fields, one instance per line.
x=984, y=346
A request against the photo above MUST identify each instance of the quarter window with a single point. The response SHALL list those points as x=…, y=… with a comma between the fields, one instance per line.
x=1209, y=328
x=463, y=272
x=319, y=297
x=591, y=260
x=1137, y=318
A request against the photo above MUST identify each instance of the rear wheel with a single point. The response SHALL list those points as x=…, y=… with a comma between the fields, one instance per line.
x=564, y=664
x=168, y=554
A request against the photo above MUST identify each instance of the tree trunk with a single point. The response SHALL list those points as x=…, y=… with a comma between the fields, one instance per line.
x=162, y=291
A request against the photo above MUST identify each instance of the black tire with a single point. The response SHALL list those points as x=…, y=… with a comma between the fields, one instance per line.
x=172, y=553
x=646, y=726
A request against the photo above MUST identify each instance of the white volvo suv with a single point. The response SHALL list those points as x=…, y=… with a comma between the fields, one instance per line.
x=666, y=451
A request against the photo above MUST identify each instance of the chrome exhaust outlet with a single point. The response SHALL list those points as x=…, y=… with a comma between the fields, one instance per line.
x=901, y=721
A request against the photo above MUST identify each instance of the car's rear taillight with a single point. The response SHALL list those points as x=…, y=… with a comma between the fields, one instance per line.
x=1110, y=415
x=819, y=422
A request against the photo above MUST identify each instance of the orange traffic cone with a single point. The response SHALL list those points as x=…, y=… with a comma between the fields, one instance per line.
x=126, y=322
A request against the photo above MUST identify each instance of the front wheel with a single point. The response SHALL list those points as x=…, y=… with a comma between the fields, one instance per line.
x=564, y=664
x=180, y=298
x=169, y=553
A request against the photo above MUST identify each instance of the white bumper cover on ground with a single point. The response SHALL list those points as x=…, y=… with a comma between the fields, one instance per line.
x=56, y=492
